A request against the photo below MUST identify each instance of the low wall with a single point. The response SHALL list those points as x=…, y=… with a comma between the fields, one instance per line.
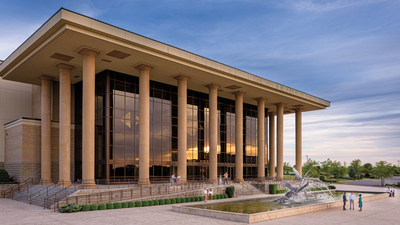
x=6, y=186
x=258, y=217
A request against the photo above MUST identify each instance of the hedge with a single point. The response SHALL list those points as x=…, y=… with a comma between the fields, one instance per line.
x=201, y=198
x=138, y=204
x=124, y=205
x=131, y=204
x=272, y=188
x=196, y=199
x=183, y=200
x=178, y=200
x=70, y=207
x=155, y=202
x=102, y=206
x=145, y=203
x=85, y=208
x=151, y=203
x=110, y=206
x=94, y=207
x=192, y=199
x=173, y=201
x=331, y=187
x=167, y=201
x=161, y=202
x=230, y=191
x=117, y=205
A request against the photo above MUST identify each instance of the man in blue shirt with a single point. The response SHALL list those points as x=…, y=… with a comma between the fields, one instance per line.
x=344, y=201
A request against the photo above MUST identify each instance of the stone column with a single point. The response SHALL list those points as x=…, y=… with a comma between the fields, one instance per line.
x=144, y=124
x=213, y=129
x=271, y=165
x=65, y=125
x=182, y=126
x=45, y=178
x=239, y=136
x=261, y=138
x=279, y=141
x=88, y=117
x=298, y=141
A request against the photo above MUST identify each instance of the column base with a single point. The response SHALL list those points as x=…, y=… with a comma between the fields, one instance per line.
x=88, y=184
x=260, y=179
x=65, y=183
x=270, y=178
x=278, y=178
x=144, y=183
x=212, y=181
x=46, y=182
x=238, y=180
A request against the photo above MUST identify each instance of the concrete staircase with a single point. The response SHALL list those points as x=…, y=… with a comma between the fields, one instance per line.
x=37, y=194
x=246, y=189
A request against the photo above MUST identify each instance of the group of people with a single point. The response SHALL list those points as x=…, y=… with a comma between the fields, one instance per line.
x=178, y=179
x=225, y=178
x=390, y=191
x=208, y=193
x=352, y=198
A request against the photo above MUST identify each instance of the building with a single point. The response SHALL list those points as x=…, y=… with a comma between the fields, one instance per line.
x=110, y=104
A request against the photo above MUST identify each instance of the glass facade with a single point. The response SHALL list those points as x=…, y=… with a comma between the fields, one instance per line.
x=117, y=131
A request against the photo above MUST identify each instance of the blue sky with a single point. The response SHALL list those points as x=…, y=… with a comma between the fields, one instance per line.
x=344, y=51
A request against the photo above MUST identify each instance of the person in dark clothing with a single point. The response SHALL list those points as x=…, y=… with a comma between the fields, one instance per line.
x=344, y=201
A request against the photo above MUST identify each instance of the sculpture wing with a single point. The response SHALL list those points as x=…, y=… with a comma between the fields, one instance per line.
x=308, y=171
x=302, y=187
x=297, y=174
x=289, y=186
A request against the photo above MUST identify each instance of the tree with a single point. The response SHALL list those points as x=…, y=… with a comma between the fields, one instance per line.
x=326, y=168
x=382, y=170
x=368, y=166
x=287, y=168
x=356, y=166
x=338, y=169
x=352, y=173
x=310, y=165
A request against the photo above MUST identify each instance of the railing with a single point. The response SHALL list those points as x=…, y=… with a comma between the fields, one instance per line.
x=50, y=200
x=10, y=191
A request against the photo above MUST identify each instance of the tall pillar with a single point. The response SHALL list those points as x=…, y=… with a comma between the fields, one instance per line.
x=88, y=117
x=271, y=164
x=144, y=124
x=45, y=163
x=239, y=136
x=279, y=141
x=65, y=125
x=298, y=141
x=182, y=126
x=213, y=104
x=261, y=138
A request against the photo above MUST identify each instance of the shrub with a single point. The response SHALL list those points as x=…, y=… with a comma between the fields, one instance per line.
x=155, y=202
x=102, y=206
x=131, y=204
x=201, y=198
x=110, y=206
x=138, y=204
x=4, y=177
x=85, y=208
x=215, y=197
x=178, y=200
x=230, y=191
x=192, y=199
x=187, y=199
x=225, y=196
x=94, y=207
x=173, y=201
x=398, y=184
x=167, y=201
x=145, y=203
x=331, y=187
x=183, y=200
x=272, y=188
x=151, y=203
x=161, y=202
x=124, y=205
x=117, y=205
x=196, y=199
x=322, y=178
x=70, y=207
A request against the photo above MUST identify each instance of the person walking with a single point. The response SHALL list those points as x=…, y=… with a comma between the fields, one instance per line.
x=360, y=202
x=220, y=179
x=226, y=178
x=205, y=194
x=344, y=201
x=352, y=198
x=210, y=194
x=172, y=179
x=178, y=180
x=392, y=191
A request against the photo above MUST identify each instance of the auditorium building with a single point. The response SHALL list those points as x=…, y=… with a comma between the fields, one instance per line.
x=102, y=103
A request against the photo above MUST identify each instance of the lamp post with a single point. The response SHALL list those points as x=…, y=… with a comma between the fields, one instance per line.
x=398, y=163
x=307, y=157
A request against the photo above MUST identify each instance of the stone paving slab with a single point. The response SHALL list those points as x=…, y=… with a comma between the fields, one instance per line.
x=385, y=211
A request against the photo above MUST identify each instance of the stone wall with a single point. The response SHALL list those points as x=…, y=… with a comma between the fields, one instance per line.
x=5, y=187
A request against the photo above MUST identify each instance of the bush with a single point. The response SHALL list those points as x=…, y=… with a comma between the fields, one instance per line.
x=138, y=204
x=187, y=199
x=183, y=200
x=102, y=206
x=322, y=178
x=110, y=206
x=230, y=191
x=124, y=205
x=272, y=188
x=161, y=202
x=178, y=200
x=173, y=201
x=145, y=203
x=196, y=199
x=398, y=184
x=85, y=208
x=225, y=196
x=201, y=198
x=331, y=187
x=131, y=204
x=4, y=177
x=94, y=207
x=215, y=197
x=155, y=202
x=167, y=201
x=69, y=208
x=192, y=199
x=117, y=205
x=151, y=203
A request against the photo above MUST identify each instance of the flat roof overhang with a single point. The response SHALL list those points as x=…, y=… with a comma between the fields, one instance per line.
x=66, y=32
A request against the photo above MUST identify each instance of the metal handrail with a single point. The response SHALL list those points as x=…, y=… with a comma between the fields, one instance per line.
x=54, y=197
x=12, y=190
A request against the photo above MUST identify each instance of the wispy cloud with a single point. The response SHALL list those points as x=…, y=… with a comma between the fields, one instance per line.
x=328, y=5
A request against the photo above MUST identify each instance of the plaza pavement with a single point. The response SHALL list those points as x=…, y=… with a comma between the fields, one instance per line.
x=385, y=211
x=370, y=182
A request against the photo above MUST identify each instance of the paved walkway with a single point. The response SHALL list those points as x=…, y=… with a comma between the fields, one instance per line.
x=385, y=211
x=370, y=182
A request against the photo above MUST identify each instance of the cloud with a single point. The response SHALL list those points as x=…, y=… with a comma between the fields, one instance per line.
x=328, y=5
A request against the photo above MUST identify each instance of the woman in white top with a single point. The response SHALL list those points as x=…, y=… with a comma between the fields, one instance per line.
x=178, y=179
x=205, y=194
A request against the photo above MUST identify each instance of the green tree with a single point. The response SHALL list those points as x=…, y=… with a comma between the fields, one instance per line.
x=311, y=165
x=287, y=168
x=368, y=166
x=356, y=166
x=338, y=169
x=326, y=168
x=382, y=170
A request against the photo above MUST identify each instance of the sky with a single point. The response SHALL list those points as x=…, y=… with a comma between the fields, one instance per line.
x=343, y=51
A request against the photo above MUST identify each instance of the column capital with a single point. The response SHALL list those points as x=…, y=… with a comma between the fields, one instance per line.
x=238, y=93
x=298, y=110
x=213, y=86
x=181, y=77
x=64, y=66
x=279, y=104
x=144, y=67
x=45, y=77
x=261, y=99
x=88, y=51
x=271, y=113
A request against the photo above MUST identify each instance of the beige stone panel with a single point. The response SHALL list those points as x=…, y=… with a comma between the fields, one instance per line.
x=14, y=154
x=279, y=141
x=31, y=153
x=14, y=141
x=14, y=130
x=36, y=101
x=31, y=139
x=55, y=99
x=12, y=99
x=31, y=129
